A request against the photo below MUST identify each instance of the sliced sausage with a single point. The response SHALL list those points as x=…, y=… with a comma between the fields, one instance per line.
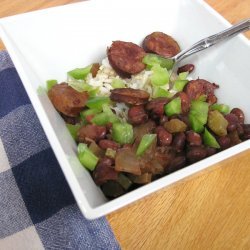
x=197, y=88
x=92, y=132
x=129, y=96
x=161, y=44
x=126, y=58
x=137, y=115
x=67, y=100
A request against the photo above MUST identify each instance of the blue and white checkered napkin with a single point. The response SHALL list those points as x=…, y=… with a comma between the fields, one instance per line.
x=37, y=209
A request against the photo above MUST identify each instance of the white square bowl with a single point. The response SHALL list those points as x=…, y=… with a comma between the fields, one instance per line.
x=46, y=44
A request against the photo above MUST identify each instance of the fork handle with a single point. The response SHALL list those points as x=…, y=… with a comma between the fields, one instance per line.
x=214, y=39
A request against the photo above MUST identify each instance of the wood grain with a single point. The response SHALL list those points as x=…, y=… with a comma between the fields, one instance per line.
x=210, y=210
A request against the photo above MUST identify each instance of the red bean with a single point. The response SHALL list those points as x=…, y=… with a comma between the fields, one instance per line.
x=232, y=122
x=163, y=136
x=193, y=138
x=210, y=151
x=105, y=144
x=239, y=113
x=185, y=68
x=156, y=106
x=163, y=119
x=196, y=153
x=224, y=142
x=240, y=129
x=246, y=128
x=234, y=137
x=179, y=141
x=137, y=115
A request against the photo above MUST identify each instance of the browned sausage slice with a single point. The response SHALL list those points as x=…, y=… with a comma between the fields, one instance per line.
x=161, y=44
x=196, y=88
x=67, y=100
x=126, y=58
x=129, y=96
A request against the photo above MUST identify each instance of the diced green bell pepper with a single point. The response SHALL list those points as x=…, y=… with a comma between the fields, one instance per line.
x=160, y=92
x=183, y=75
x=146, y=141
x=85, y=113
x=112, y=117
x=86, y=157
x=151, y=59
x=97, y=102
x=221, y=108
x=202, y=98
x=117, y=83
x=100, y=119
x=160, y=76
x=195, y=124
x=80, y=73
x=122, y=133
x=210, y=140
x=80, y=86
x=50, y=84
x=179, y=85
x=73, y=129
x=200, y=110
x=198, y=115
x=173, y=107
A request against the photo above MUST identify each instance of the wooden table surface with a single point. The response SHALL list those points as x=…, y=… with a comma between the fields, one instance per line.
x=208, y=211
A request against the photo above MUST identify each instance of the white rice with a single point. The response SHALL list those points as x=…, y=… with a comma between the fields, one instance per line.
x=106, y=75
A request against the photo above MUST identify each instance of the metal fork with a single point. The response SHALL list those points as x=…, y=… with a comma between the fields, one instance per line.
x=211, y=40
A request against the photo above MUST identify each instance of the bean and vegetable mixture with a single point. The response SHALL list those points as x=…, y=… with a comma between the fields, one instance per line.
x=133, y=124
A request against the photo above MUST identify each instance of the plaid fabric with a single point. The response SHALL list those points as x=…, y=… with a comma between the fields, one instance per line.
x=37, y=208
